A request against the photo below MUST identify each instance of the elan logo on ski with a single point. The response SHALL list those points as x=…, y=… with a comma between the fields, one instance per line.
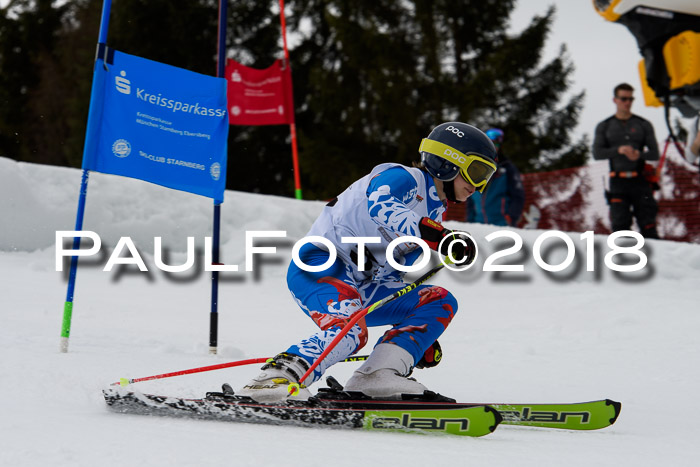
x=419, y=423
x=528, y=415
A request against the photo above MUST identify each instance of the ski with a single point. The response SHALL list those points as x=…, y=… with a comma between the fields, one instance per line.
x=578, y=416
x=592, y=415
x=472, y=420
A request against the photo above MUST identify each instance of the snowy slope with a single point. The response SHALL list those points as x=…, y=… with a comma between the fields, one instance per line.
x=519, y=337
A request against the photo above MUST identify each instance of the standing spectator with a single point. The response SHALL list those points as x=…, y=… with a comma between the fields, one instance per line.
x=627, y=141
x=502, y=201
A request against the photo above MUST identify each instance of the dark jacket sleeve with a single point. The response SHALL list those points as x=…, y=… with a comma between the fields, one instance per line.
x=652, y=151
x=516, y=192
x=601, y=147
x=471, y=206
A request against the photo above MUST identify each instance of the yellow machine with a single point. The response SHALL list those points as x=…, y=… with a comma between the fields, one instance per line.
x=668, y=36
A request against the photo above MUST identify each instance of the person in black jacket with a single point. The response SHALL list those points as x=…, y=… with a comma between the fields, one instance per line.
x=502, y=202
x=628, y=141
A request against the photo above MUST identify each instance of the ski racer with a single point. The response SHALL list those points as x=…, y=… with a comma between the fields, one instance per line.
x=391, y=201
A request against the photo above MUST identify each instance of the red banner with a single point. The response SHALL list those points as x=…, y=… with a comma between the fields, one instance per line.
x=260, y=97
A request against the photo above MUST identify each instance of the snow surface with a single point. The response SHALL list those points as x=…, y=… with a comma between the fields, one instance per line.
x=518, y=337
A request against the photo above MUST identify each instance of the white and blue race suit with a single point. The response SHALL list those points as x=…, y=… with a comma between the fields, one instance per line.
x=388, y=203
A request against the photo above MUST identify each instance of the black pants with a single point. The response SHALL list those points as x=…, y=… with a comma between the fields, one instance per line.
x=633, y=198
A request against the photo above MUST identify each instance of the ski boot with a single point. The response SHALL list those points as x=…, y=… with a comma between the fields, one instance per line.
x=384, y=375
x=271, y=386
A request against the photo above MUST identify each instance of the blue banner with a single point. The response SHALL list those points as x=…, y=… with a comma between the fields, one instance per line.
x=158, y=123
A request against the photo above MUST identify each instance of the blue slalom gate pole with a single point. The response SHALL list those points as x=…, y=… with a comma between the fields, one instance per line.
x=216, y=228
x=94, y=103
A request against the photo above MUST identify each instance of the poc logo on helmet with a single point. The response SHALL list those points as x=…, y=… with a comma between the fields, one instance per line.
x=455, y=131
x=459, y=158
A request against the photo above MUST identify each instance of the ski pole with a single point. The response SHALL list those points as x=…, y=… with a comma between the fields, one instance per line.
x=251, y=361
x=293, y=388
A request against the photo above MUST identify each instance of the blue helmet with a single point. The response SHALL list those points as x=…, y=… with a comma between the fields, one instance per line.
x=495, y=134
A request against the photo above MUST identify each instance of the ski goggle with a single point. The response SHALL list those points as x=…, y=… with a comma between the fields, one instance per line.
x=474, y=168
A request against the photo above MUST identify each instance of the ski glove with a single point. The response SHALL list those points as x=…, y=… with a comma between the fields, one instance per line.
x=431, y=357
x=463, y=247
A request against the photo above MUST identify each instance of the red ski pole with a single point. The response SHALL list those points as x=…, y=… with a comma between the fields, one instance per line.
x=126, y=381
x=251, y=361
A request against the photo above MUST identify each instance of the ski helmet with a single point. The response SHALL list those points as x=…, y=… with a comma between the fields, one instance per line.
x=496, y=135
x=455, y=148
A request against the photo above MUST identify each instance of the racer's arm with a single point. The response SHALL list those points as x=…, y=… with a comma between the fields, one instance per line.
x=385, y=201
x=385, y=195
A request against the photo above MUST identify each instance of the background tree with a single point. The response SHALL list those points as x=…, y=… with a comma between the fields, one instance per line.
x=48, y=50
x=371, y=78
x=28, y=35
x=59, y=102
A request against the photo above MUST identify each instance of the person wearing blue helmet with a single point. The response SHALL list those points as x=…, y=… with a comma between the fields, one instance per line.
x=502, y=204
x=391, y=202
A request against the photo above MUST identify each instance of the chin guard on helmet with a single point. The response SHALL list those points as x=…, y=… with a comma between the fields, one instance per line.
x=449, y=189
